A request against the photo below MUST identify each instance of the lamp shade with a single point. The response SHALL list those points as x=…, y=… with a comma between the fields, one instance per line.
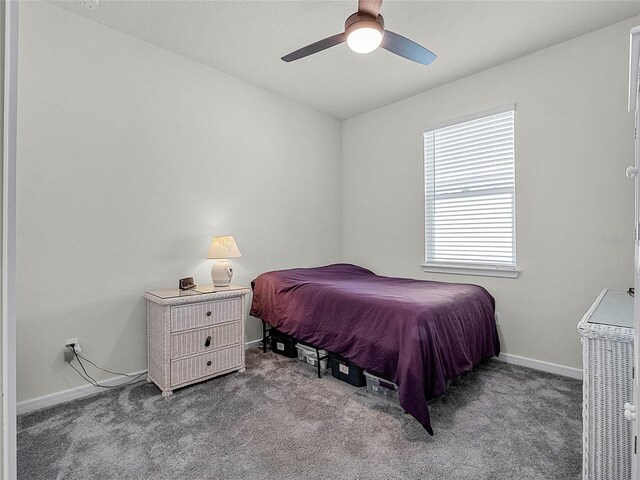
x=223, y=247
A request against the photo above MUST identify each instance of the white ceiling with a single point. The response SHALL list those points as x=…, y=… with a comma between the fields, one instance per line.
x=247, y=38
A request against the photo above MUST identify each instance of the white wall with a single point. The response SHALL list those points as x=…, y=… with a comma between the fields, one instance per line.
x=130, y=158
x=574, y=139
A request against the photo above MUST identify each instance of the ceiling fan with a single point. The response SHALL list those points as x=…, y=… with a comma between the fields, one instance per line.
x=364, y=32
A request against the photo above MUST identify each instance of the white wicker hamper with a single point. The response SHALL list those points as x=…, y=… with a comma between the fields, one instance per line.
x=607, y=349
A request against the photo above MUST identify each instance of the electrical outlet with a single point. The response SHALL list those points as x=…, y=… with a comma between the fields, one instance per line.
x=497, y=315
x=71, y=347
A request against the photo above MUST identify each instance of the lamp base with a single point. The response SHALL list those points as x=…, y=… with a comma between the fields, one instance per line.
x=221, y=273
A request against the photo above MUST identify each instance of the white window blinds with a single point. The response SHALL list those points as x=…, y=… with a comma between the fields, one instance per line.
x=469, y=193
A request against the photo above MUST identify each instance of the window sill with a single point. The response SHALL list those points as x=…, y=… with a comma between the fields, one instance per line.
x=503, y=272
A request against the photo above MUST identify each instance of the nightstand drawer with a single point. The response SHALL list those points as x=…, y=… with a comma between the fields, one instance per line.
x=205, y=340
x=203, y=314
x=192, y=368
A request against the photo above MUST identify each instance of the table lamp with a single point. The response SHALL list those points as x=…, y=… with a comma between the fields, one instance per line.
x=222, y=248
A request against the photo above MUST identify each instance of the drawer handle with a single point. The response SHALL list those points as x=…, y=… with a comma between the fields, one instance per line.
x=209, y=363
x=208, y=314
x=207, y=342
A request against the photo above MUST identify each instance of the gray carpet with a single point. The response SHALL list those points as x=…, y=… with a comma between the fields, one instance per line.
x=278, y=421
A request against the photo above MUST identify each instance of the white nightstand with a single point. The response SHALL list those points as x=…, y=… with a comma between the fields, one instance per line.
x=194, y=335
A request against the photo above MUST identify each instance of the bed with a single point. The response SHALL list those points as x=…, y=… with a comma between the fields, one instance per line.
x=418, y=334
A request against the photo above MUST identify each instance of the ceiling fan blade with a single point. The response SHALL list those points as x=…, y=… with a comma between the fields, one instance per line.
x=315, y=47
x=370, y=7
x=406, y=48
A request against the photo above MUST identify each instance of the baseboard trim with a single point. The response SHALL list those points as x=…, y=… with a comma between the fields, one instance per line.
x=52, y=399
x=540, y=365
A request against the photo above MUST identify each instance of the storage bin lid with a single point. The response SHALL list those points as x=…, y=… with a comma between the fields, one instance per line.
x=310, y=350
x=373, y=377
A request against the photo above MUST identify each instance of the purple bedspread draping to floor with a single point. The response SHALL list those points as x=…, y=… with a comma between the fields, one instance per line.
x=418, y=334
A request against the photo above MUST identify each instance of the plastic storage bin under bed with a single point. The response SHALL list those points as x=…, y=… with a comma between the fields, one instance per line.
x=347, y=371
x=381, y=388
x=309, y=356
x=282, y=344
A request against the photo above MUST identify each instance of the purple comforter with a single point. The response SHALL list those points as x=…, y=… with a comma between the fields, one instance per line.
x=418, y=334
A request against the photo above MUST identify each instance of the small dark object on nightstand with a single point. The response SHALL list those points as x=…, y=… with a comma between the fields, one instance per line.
x=186, y=283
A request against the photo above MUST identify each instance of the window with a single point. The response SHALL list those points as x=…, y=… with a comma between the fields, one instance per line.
x=470, y=195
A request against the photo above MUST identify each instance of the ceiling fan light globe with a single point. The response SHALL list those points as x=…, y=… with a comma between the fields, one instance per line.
x=364, y=39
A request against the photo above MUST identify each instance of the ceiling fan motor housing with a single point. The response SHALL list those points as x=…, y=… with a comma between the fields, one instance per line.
x=362, y=20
